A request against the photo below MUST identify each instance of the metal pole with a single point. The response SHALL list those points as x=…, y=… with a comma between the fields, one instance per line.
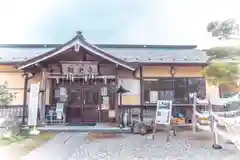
x=194, y=120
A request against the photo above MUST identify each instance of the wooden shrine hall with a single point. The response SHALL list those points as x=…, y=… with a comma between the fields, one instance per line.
x=80, y=77
x=79, y=80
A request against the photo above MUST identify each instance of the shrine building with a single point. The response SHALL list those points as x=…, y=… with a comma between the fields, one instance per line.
x=84, y=77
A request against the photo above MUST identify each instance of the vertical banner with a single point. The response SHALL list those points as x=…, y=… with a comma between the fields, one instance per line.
x=33, y=104
x=163, y=112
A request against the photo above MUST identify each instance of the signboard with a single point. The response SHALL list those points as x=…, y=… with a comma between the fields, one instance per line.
x=33, y=104
x=80, y=67
x=163, y=112
x=59, y=110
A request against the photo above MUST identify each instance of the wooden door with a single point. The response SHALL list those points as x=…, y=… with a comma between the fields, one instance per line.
x=74, y=109
x=91, y=104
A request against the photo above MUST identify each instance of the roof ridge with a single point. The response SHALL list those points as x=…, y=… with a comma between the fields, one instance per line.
x=101, y=46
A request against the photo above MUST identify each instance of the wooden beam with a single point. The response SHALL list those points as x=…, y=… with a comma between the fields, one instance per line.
x=54, y=76
x=51, y=91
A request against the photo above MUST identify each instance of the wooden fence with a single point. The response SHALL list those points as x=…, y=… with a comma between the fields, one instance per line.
x=13, y=110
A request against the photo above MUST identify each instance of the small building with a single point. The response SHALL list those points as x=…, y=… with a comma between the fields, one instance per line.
x=84, y=76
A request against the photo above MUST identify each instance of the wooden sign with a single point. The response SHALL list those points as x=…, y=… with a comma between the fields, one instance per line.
x=80, y=67
x=33, y=104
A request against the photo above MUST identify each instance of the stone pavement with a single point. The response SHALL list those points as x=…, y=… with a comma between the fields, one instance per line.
x=186, y=145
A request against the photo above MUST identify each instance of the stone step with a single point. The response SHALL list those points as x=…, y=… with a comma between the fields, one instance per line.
x=83, y=129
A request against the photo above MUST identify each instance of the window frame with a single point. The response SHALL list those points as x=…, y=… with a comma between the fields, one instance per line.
x=173, y=83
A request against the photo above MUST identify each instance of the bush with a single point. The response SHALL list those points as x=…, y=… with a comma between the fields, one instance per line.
x=6, y=97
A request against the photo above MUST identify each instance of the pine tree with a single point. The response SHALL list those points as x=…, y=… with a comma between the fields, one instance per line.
x=223, y=63
x=5, y=96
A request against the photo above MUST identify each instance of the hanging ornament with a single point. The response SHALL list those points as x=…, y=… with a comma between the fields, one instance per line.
x=95, y=78
x=92, y=76
x=73, y=78
x=70, y=78
x=89, y=77
x=105, y=80
x=85, y=78
x=57, y=79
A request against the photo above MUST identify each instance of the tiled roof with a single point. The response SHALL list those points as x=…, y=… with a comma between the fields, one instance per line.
x=130, y=53
x=20, y=54
x=159, y=55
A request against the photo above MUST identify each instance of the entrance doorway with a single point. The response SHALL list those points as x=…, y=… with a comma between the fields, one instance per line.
x=91, y=104
x=84, y=105
x=74, y=108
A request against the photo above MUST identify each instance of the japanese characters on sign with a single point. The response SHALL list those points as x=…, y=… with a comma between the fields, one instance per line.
x=80, y=67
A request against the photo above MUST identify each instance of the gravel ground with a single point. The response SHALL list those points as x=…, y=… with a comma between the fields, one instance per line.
x=186, y=145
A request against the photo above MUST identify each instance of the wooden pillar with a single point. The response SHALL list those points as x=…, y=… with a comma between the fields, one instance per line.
x=141, y=93
x=43, y=95
x=25, y=91
x=117, y=110
x=173, y=72
x=51, y=91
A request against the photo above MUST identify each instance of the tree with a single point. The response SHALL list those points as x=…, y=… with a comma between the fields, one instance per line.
x=223, y=29
x=5, y=96
x=223, y=63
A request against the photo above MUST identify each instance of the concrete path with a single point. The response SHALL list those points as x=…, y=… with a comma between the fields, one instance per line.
x=62, y=147
x=73, y=146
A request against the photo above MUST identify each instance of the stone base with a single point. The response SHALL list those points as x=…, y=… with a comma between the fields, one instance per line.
x=34, y=132
x=229, y=142
x=141, y=128
x=216, y=146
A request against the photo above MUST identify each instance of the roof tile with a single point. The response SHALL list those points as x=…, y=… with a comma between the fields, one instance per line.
x=129, y=54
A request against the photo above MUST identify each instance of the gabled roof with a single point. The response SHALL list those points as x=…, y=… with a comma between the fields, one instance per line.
x=126, y=54
x=77, y=42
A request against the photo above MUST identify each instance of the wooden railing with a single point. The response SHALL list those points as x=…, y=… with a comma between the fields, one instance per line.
x=13, y=110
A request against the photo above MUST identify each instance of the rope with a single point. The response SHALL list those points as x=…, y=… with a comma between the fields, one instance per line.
x=223, y=120
x=232, y=124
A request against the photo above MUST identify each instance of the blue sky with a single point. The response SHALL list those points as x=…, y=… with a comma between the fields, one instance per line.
x=113, y=21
